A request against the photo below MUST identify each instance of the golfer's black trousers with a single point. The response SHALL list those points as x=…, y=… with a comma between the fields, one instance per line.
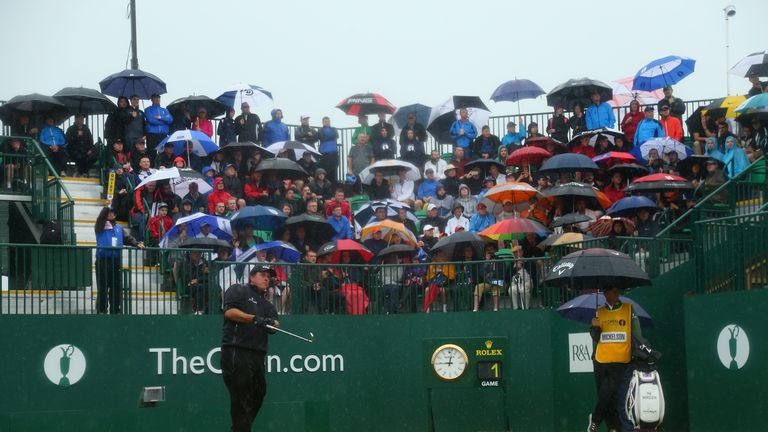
x=243, y=372
x=608, y=379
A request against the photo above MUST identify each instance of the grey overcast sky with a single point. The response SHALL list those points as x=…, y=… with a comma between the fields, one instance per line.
x=311, y=54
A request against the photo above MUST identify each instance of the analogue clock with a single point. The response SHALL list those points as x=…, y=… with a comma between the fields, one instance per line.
x=449, y=362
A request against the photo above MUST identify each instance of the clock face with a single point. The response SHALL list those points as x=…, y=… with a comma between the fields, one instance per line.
x=449, y=362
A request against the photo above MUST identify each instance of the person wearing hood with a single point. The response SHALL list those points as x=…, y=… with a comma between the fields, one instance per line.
x=226, y=130
x=486, y=144
x=711, y=150
x=503, y=154
x=513, y=140
x=275, y=130
x=187, y=209
x=468, y=202
x=198, y=200
x=457, y=221
x=320, y=186
x=378, y=126
x=208, y=173
x=631, y=120
x=232, y=183
x=55, y=145
x=735, y=157
x=443, y=201
x=218, y=195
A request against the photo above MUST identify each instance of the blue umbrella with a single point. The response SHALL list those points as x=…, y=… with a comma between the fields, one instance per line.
x=220, y=227
x=568, y=162
x=263, y=218
x=400, y=117
x=132, y=82
x=239, y=93
x=281, y=250
x=516, y=90
x=757, y=103
x=628, y=206
x=663, y=72
x=583, y=309
x=202, y=145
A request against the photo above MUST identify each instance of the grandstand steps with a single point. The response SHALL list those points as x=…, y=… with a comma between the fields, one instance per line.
x=86, y=193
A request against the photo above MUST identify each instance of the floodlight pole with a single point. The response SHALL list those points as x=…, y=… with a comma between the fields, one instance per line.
x=727, y=51
x=134, y=58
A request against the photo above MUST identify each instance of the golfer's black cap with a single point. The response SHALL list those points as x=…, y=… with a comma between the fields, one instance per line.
x=263, y=268
x=648, y=109
x=154, y=95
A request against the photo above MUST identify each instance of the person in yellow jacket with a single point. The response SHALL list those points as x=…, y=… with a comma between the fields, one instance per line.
x=612, y=331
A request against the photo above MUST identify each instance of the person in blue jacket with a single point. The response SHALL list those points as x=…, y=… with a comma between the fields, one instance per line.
x=55, y=145
x=513, y=139
x=329, y=159
x=275, y=130
x=340, y=224
x=600, y=114
x=110, y=239
x=158, y=120
x=735, y=158
x=463, y=131
x=647, y=128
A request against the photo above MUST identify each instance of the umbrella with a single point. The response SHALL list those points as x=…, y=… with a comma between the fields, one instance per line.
x=205, y=243
x=366, y=212
x=388, y=229
x=757, y=103
x=455, y=242
x=263, y=218
x=335, y=248
x=365, y=104
x=659, y=183
x=33, y=105
x=756, y=63
x=572, y=239
x=390, y=168
x=213, y=107
x=595, y=199
x=595, y=134
x=298, y=148
x=517, y=192
x=663, y=72
x=628, y=206
x=684, y=166
x=612, y=158
x=569, y=219
x=513, y=228
x=623, y=94
x=484, y=165
x=725, y=106
x=399, y=249
x=584, y=307
x=528, y=156
x=132, y=82
x=315, y=226
x=202, y=145
x=604, y=226
x=516, y=90
x=442, y=116
x=282, y=251
x=179, y=179
x=665, y=145
x=246, y=146
x=578, y=90
x=400, y=117
x=568, y=162
x=284, y=168
x=629, y=170
x=255, y=96
x=220, y=227
x=596, y=268
x=85, y=101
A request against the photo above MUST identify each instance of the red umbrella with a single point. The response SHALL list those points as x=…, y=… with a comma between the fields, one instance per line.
x=611, y=158
x=365, y=103
x=335, y=248
x=604, y=226
x=549, y=144
x=528, y=156
x=659, y=177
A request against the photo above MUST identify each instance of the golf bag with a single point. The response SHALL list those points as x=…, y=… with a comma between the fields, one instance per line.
x=644, y=404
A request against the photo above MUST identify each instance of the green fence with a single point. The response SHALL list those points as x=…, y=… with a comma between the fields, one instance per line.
x=732, y=253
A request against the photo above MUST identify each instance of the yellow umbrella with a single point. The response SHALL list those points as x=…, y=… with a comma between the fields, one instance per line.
x=388, y=229
x=726, y=105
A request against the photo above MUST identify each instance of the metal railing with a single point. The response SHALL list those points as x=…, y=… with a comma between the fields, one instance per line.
x=732, y=253
x=50, y=199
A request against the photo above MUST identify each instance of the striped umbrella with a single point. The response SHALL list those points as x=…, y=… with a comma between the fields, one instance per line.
x=663, y=72
x=202, y=144
x=365, y=104
x=756, y=63
x=238, y=94
x=513, y=228
x=623, y=94
x=388, y=229
x=755, y=103
x=724, y=106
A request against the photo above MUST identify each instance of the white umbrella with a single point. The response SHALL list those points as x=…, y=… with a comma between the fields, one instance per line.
x=298, y=147
x=663, y=146
x=179, y=179
x=753, y=63
x=390, y=167
x=255, y=96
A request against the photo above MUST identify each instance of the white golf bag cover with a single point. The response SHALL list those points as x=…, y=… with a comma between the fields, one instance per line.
x=645, y=400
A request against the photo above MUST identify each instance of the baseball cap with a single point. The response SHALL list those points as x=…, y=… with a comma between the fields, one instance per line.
x=154, y=95
x=428, y=227
x=431, y=207
x=648, y=109
x=162, y=205
x=663, y=107
x=449, y=167
x=304, y=117
x=511, y=124
x=263, y=268
x=489, y=178
x=481, y=204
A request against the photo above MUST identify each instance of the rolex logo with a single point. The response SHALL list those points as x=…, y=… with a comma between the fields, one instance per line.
x=489, y=344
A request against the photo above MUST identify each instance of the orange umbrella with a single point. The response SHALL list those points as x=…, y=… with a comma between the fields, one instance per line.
x=517, y=192
x=388, y=229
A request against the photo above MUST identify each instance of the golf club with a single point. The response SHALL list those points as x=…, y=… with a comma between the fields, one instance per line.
x=311, y=335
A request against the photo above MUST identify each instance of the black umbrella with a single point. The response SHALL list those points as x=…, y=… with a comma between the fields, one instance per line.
x=693, y=122
x=578, y=90
x=574, y=190
x=629, y=170
x=684, y=166
x=484, y=165
x=442, y=116
x=400, y=117
x=756, y=63
x=568, y=162
x=132, y=82
x=205, y=243
x=85, y=101
x=398, y=249
x=247, y=146
x=569, y=219
x=285, y=168
x=596, y=268
x=193, y=104
x=34, y=105
x=365, y=103
x=659, y=186
x=458, y=240
x=316, y=226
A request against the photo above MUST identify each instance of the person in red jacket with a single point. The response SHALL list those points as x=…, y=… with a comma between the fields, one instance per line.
x=159, y=224
x=202, y=123
x=338, y=200
x=218, y=195
x=615, y=190
x=673, y=128
x=631, y=120
x=256, y=191
x=583, y=147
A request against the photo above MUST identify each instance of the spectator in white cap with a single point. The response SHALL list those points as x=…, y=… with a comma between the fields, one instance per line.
x=433, y=219
x=427, y=240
